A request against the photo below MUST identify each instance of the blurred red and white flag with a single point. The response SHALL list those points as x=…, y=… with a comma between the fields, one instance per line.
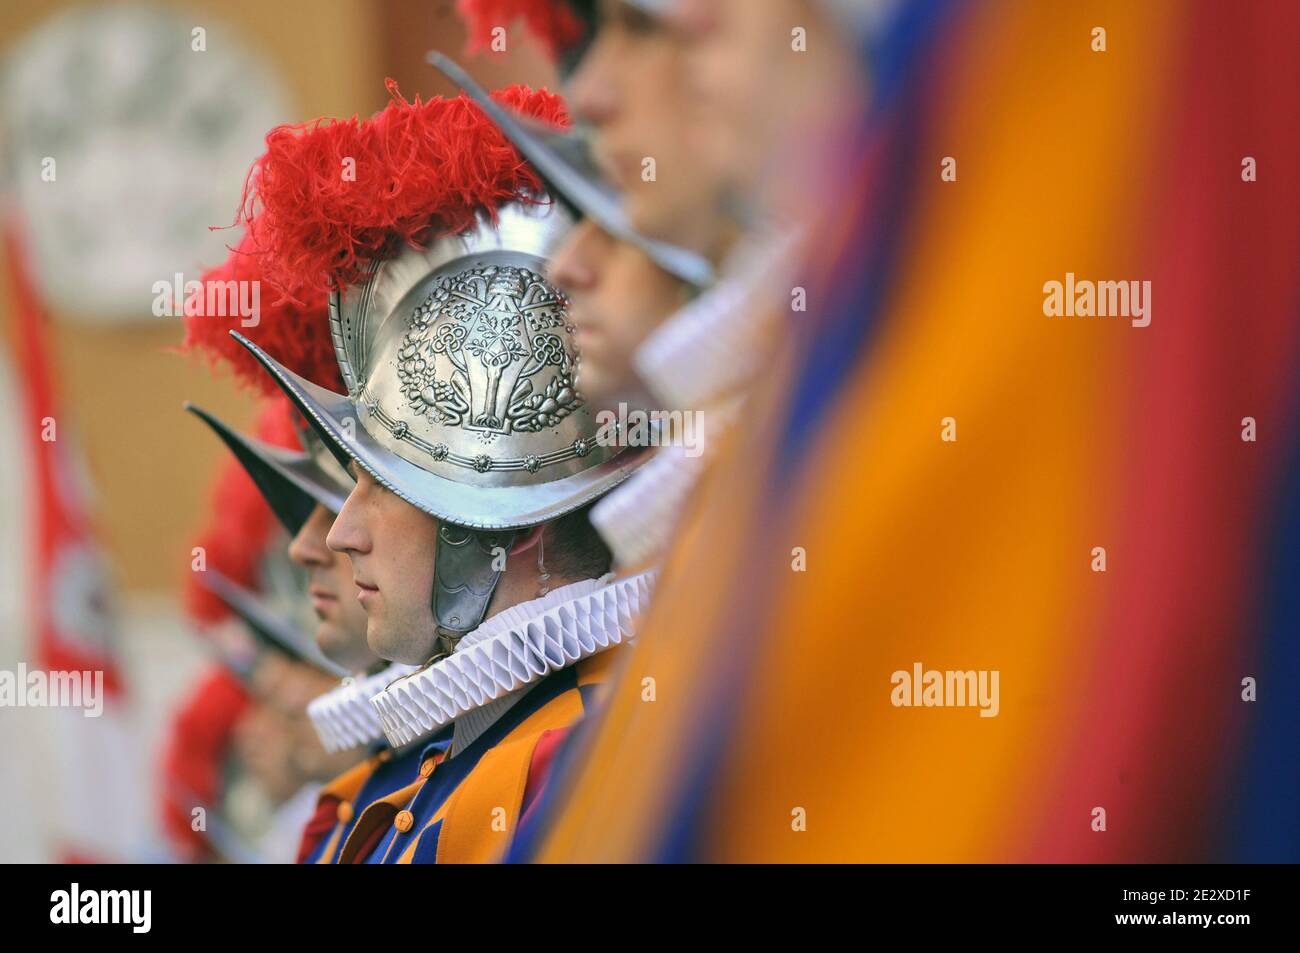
x=89, y=786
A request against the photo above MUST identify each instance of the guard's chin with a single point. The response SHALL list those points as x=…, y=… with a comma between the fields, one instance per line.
x=326, y=639
x=396, y=646
x=333, y=643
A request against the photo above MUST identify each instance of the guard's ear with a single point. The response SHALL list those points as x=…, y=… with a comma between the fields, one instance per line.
x=527, y=539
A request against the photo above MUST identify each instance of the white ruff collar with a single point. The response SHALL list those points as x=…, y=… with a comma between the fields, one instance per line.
x=343, y=717
x=713, y=347
x=512, y=650
x=638, y=517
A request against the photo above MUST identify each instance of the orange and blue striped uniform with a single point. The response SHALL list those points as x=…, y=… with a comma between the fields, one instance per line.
x=336, y=808
x=425, y=805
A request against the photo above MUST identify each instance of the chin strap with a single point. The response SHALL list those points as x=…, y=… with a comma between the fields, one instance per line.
x=465, y=576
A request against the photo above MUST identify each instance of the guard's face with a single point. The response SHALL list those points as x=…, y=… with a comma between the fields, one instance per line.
x=276, y=740
x=617, y=296
x=265, y=736
x=764, y=81
x=341, y=622
x=733, y=50
x=632, y=88
x=391, y=547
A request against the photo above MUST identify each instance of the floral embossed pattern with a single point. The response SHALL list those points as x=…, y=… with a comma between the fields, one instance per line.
x=487, y=351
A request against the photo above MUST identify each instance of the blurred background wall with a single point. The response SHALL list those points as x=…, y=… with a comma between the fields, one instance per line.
x=121, y=384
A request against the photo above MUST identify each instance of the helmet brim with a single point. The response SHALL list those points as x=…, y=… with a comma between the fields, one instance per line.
x=289, y=480
x=274, y=631
x=564, y=162
x=338, y=422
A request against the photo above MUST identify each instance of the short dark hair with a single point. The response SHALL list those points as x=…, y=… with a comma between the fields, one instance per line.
x=574, y=550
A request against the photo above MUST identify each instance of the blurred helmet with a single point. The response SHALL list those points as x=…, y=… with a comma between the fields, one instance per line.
x=291, y=481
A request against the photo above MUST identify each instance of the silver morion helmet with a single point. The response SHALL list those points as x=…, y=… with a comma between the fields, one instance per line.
x=460, y=366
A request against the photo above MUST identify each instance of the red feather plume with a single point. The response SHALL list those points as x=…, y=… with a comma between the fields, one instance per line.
x=201, y=733
x=331, y=196
x=295, y=331
x=552, y=22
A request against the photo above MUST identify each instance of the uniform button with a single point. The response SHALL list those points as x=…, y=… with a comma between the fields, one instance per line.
x=345, y=812
x=426, y=767
x=404, y=821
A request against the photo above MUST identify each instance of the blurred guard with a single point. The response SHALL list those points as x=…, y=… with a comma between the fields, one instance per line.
x=304, y=488
x=638, y=95
x=276, y=767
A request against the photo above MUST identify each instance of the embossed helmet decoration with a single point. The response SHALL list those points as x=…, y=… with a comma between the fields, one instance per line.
x=456, y=352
